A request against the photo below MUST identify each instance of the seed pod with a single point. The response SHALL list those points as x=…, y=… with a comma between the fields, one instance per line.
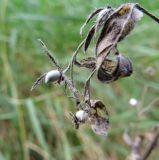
x=105, y=72
x=52, y=76
x=111, y=70
x=124, y=68
x=81, y=115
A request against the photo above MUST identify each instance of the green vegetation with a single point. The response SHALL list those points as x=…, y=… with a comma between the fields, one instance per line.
x=37, y=125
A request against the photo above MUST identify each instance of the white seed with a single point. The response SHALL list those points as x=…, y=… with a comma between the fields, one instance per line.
x=133, y=102
x=52, y=76
x=81, y=115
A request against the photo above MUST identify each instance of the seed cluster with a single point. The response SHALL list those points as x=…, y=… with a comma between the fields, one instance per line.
x=112, y=25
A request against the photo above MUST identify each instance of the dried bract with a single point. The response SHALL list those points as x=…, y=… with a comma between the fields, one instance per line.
x=111, y=69
x=116, y=24
x=112, y=26
x=103, y=15
x=100, y=125
x=97, y=104
x=92, y=116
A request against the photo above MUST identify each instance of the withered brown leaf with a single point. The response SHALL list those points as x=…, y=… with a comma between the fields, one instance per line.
x=89, y=38
x=100, y=125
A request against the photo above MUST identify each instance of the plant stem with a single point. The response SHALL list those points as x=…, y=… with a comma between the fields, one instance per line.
x=151, y=146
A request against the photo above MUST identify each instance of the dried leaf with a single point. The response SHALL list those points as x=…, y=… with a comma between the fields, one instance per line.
x=114, y=27
x=112, y=32
x=100, y=126
x=89, y=62
x=89, y=18
x=89, y=38
x=106, y=71
x=97, y=104
x=102, y=18
x=38, y=81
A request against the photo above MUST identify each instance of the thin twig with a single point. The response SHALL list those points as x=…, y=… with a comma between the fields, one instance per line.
x=87, y=86
x=151, y=146
x=149, y=106
x=68, y=82
x=73, y=60
x=74, y=90
x=74, y=56
x=147, y=13
x=48, y=53
x=38, y=81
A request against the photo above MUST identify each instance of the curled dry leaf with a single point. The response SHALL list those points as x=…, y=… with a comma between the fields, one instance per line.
x=111, y=70
x=100, y=125
x=119, y=24
x=91, y=15
x=89, y=38
x=102, y=17
x=89, y=62
x=103, y=14
x=116, y=24
x=106, y=72
x=97, y=104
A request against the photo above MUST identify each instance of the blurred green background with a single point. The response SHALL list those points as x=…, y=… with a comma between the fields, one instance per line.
x=37, y=125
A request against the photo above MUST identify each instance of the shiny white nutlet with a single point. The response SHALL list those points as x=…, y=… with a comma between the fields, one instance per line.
x=137, y=14
x=52, y=76
x=81, y=115
x=133, y=102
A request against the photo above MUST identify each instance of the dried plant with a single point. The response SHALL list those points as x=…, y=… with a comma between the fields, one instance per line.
x=87, y=108
x=112, y=26
x=115, y=25
x=139, y=151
